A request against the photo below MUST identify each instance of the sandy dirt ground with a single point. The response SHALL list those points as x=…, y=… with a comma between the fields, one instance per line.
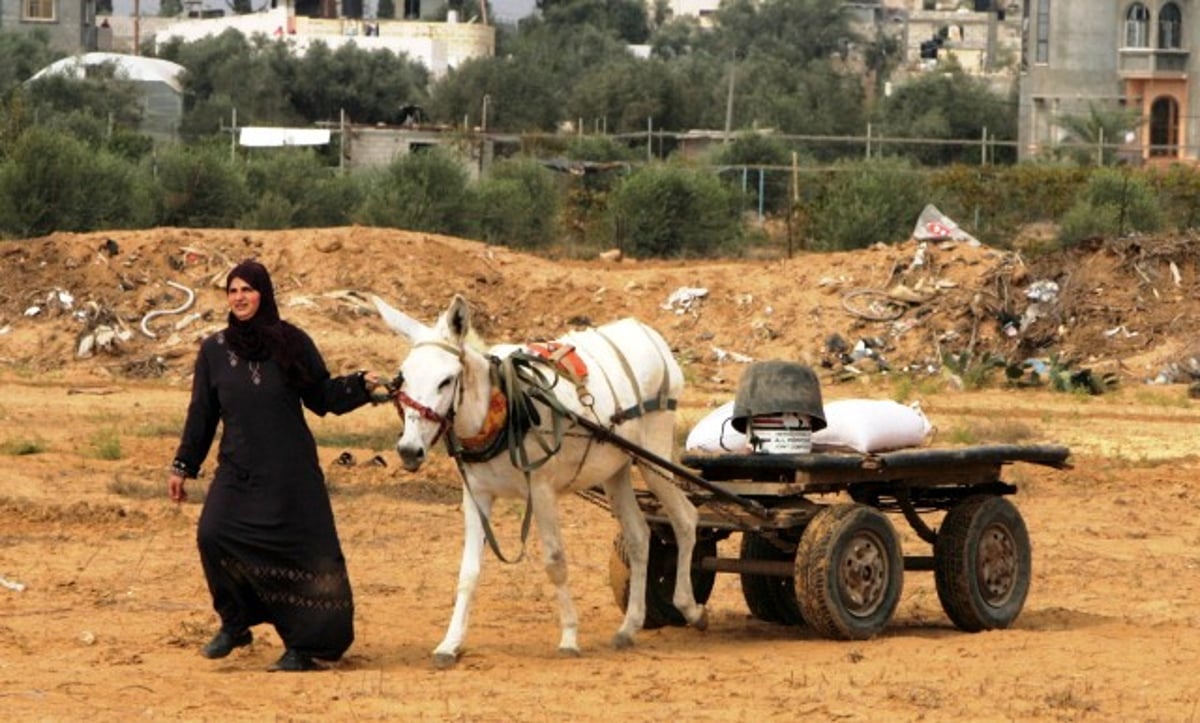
x=104, y=606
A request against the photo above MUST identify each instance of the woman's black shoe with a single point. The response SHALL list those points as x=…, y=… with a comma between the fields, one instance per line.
x=224, y=642
x=294, y=662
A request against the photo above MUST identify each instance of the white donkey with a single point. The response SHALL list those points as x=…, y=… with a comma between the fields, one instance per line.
x=631, y=385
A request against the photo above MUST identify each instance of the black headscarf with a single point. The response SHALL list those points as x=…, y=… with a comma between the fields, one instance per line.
x=265, y=336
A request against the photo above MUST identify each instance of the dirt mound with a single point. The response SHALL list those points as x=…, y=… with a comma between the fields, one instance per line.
x=105, y=300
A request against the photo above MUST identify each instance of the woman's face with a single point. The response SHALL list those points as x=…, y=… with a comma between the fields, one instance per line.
x=243, y=300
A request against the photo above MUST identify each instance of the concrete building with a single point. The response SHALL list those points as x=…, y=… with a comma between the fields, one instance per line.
x=1134, y=54
x=71, y=24
x=438, y=45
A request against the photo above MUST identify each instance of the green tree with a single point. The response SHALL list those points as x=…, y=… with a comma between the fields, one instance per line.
x=625, y=92
x=201, y=186
x=424, y=191
x=295, y=187
x=517, y=205
x=673, y=211
x=623, y=19
x=170, y=8
x=868, y=202
x=796, y=32
x=370, y=86
x=1114, y=203
x=228, y=72
x=53, y=182
x=757, y=149
x=22, y=55
x=948, y=106
x=386, y=10
x=522, y=96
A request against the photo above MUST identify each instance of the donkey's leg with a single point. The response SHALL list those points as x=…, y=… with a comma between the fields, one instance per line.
x=447, y=652
x=636, y=534
x=545, y=512
x=682, y=513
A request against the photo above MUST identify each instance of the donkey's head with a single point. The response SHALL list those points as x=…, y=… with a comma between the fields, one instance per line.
x=432, y=376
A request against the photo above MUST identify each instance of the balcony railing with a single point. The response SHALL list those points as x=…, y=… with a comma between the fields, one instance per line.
x=1143, y=62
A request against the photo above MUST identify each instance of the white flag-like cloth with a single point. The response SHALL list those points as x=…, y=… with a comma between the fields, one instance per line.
x=933, y=225
x=263, y=137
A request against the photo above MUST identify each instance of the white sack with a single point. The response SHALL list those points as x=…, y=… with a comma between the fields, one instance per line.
x=714, y=430
x=872, y=425
x=863, y=425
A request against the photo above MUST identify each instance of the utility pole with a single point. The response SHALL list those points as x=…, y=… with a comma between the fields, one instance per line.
x=729, y=99
x=989, y=62
x=137, y=27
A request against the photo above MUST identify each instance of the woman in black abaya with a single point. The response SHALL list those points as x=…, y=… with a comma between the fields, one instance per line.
x=267, y=539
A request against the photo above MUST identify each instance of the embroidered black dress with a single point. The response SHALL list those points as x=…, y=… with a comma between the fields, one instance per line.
x=267, y=539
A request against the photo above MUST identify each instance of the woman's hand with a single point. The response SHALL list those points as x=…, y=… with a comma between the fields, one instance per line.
x=175, y=488
x=376, y=388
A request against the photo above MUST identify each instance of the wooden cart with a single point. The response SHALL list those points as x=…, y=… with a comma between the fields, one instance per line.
x=818, y=546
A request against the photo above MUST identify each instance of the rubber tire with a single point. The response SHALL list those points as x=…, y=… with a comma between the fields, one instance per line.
x=660, y=579
x=988, y=525
x=825, y=549
x=769, y=598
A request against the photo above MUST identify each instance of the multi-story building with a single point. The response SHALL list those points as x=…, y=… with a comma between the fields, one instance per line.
x=1110, y=54
x=71, y=24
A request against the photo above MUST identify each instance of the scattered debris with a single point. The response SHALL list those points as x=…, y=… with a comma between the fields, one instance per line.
x=721, y=355
x=873, y=305
x=103, y=331
x=683, y=298
x=1178, y=372
x=191, y=297
x=12, y=584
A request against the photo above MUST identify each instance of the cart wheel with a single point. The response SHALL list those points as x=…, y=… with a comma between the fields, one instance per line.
x=982, y=563
x=660, y=578
x=849, y=572
x=770, y=599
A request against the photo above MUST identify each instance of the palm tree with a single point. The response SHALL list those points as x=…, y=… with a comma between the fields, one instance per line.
x=1102, y=130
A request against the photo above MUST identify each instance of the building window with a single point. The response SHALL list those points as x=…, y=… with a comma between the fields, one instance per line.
x=37, y=9
x=1164, y=128
x=1137, y=26
x=1042, y=54
x=1170, y=22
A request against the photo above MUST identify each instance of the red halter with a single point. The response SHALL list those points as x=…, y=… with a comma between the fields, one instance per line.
x=402, y=400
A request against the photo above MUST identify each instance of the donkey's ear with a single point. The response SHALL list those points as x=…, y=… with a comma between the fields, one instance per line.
x=458, y=318
x=400, y=322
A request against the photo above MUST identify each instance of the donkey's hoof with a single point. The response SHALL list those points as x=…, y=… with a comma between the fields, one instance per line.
x=622, y=641
x=701, y=623
x=442, y=661
x=569, y=652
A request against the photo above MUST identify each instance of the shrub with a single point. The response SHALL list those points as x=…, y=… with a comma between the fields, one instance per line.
x=1179, y=190
x=517, y=205
x=53, y=182
x=294, y=188
x=672, y=211
x=424, y=191
x=755, y=149
x=1113, y=203
x=201, y=187
x=869, y=202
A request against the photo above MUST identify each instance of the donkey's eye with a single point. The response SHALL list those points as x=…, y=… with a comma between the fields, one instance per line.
x=445, y=383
